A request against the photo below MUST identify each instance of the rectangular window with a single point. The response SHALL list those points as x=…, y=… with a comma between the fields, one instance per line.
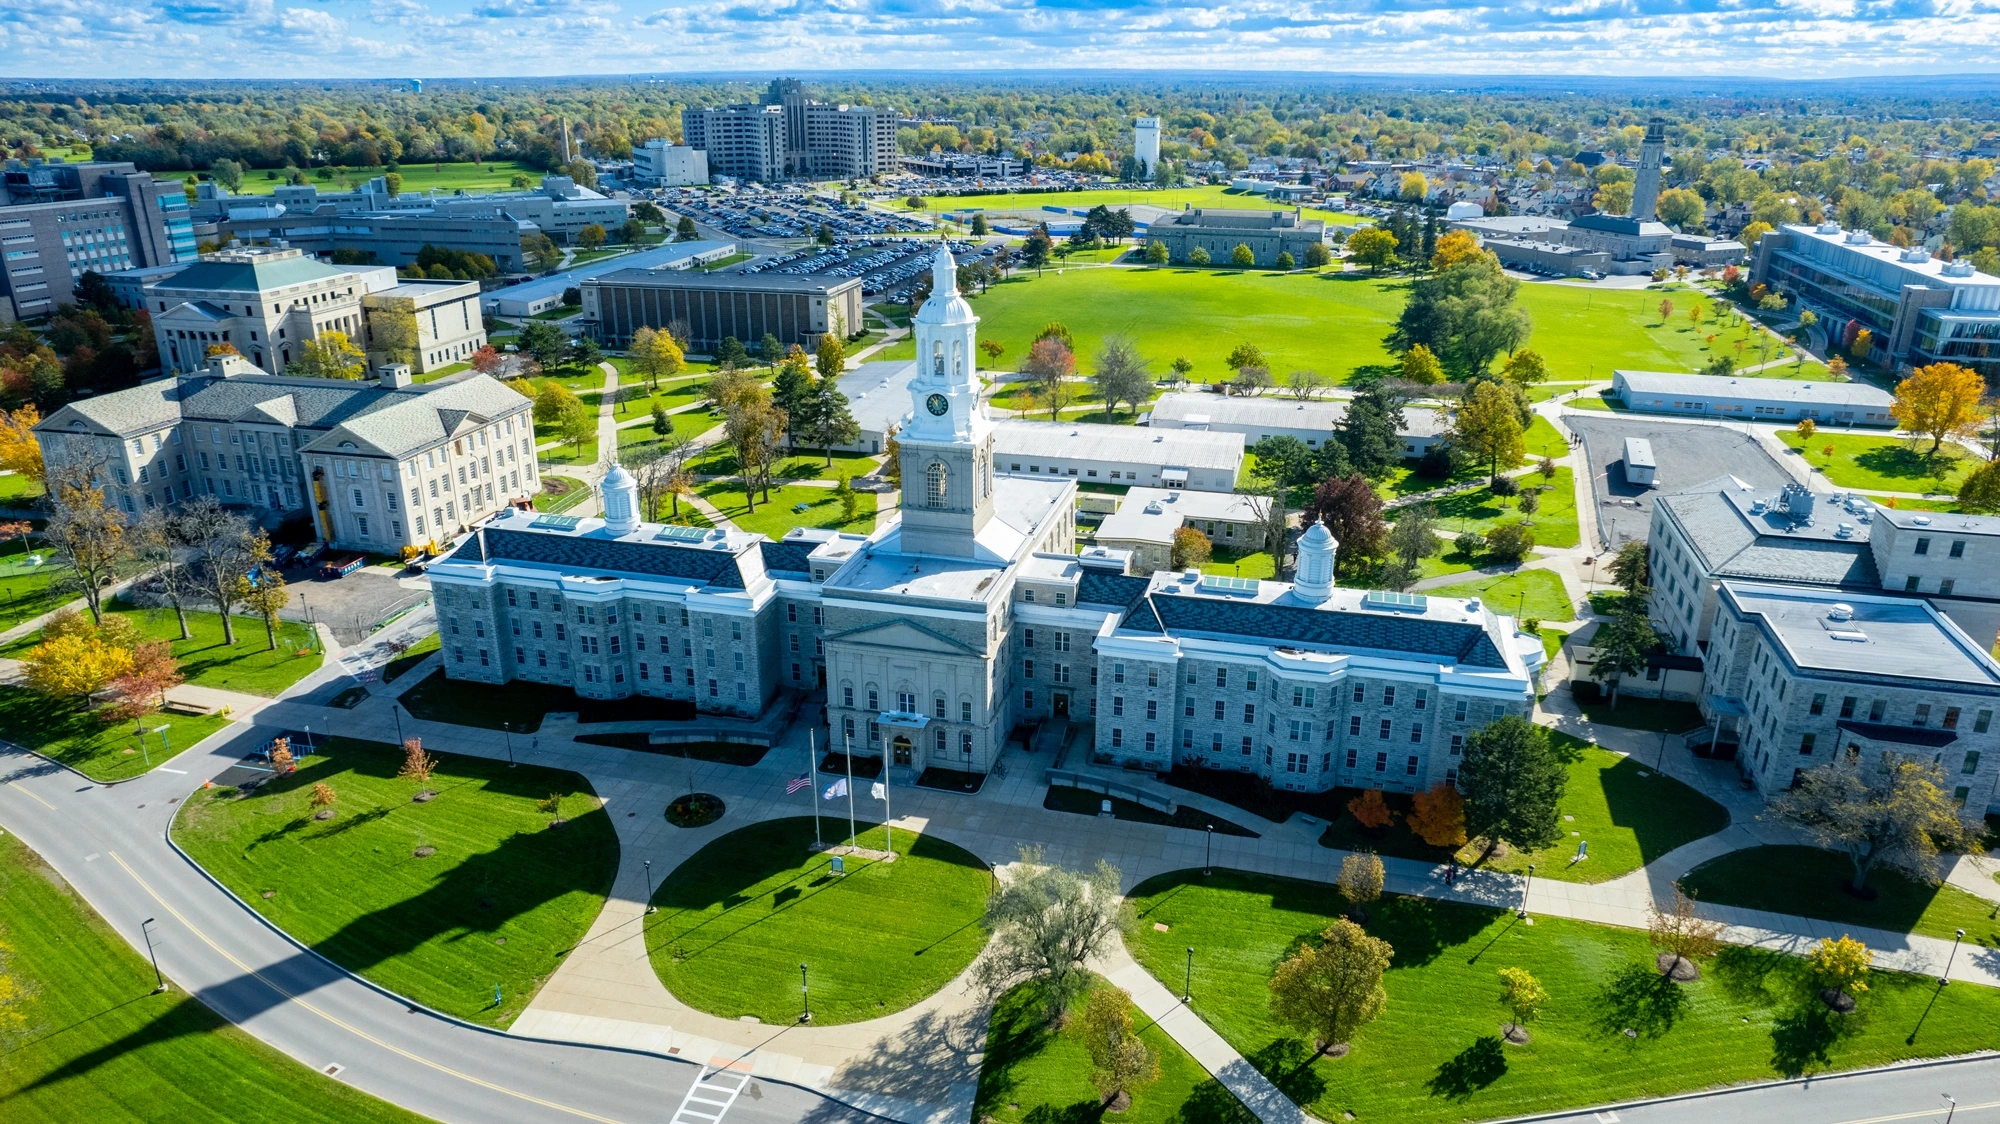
x=1247, y=744
x=1951, y=718
x=1958, y=548
x=1152, y=676
x=1876, y=709
x=1388, y=696
x=1946, y=586
x=1818, y=705
x=1028, y=700
x=1982, y=722
x=1149, y=741
x=1249, y=714
x=1152, y=710
x=1912, y=584
x=1383, y=732
x=1806, y=745
x=1410, y=766
x=1416, y=732
x=1027, y=669
x=1220, y=707
x=1923, y=546
x=1117, y=737
x=1118, y=673
x=1117, y=706
x=1222, y=677
x=1923, y=715
x=1457, y=744
x=1847, y=704
x=1458, y=710
x=1354, y=726
x=1971, y=762
x=1381, y=762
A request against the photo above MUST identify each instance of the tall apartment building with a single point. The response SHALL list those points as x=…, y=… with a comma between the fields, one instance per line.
x=664, y=164
x=792, y=136
x=1917, y=309
x=376, y=464
x=934, y=636
x=59, y=221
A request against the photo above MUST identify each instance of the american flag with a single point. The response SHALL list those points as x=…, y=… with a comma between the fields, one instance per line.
x=797, y=783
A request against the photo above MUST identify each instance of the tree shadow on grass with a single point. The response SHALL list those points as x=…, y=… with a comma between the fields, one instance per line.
x=1288, y=1063
x=1803, y=1038
x=1475, y=1067
x=1211, y=1102
x=1902, y=461
x=1639, y=998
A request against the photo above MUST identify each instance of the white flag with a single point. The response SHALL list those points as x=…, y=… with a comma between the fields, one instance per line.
x=878, y=792
x=836, y=790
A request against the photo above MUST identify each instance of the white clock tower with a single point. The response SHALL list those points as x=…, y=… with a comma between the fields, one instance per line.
x=947, y=440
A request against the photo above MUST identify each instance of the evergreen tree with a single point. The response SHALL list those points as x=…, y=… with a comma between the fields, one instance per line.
x=1513, y=785
x=830, y=420
x=1370, y=431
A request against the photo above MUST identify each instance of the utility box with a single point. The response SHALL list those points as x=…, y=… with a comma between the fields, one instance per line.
x=1639, y=466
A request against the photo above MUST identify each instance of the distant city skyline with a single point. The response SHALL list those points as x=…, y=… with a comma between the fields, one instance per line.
x=522, y=38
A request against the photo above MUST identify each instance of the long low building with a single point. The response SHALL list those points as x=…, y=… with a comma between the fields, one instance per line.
x=712, y=306
x=1218, y=232
x=1258, y=417
x=545, y=293
x=1148, y=518
x=1752, y=399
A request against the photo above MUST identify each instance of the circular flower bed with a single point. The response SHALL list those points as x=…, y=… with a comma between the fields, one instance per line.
x=696, y=809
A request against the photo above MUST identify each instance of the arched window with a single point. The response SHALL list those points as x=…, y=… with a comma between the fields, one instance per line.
x=934, y=484
x=937, y=357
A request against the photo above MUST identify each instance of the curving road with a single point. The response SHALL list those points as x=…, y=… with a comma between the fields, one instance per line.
x=110, y=844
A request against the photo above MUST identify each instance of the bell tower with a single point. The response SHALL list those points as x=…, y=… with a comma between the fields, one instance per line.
x=947, y=440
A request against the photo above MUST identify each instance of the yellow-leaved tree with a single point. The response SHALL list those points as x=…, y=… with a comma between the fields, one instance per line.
x=1939, y=401
x=19, y=451
x=77, y=665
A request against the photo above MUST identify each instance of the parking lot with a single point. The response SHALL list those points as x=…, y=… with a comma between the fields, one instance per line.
x=1688, y=454
x=886, y=266
x=754, y=211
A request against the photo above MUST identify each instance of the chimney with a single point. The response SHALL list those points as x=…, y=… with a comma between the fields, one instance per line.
x=393, y=376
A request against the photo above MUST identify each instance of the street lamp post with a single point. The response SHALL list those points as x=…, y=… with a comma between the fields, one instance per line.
x=159, y=981
x=140, y=725
x=1525, y=887
x=166, y=747
x=805, y=996
x=1208, y=851
x=1945, y=977
x=1951, y=1111
x=507, y=731
x=650, y=907
x=1187, y=981
x=1660, y=763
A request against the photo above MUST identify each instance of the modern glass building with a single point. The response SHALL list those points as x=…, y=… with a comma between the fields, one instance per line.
x=1916, y=308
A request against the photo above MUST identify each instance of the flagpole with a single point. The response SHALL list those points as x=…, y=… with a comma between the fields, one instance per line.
x=888, y=833
x=850, y=794
x=812, y=786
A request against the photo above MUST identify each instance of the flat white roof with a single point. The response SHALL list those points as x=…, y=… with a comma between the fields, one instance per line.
x=1272, y=412
x=1879, y=636
x=1638, y=453
x=1154, y=514
x=1181, y=448
x=1929, y=268
x=1746, y=389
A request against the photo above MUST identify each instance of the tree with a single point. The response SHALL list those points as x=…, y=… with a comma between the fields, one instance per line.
x=1631, y=568
x=1489, y=427
x=282, y=760
x=1118, y=1059
x=1047, y=371
x=1411, y=540
x=850, y=500
x=1198, y=256
x=1939, y=401
x=575, y=423
x=323, y=797
x=1038, y=248
x=1683, y=935
x=1525, y=368
x=89, y=538
x=551, y=398
x=76, y=665
x=1285, y=462
x=393, y=332
x=1370, y=430
x=1437, y=816
x=487, y=360
x=1513, y=784
x=229, y=174
x=1841, y=965
x=752, y=425
x=830, y=360
x=1370, y=810
x=224, y=546
x=1241, y=257
x=1980, y=491
x=656, y=356
x=1191, y=549
x=1332, y=989
x=20, y=451
x=1286, y=261
x=684, y=230
x=331, y=356
x=1751, y=233
x=1360, y=880
x=544, y=342
x=829, y=422
x=1679, y=207
x=1373, y=247
x=1805, y=429
x=1353, y=513
x=1466, y=314
x=1509, y=542
x=1318, y=256
x=1122, y=373
x=1421, y=367
x=1303, y=384
x=1523, y=996
x=267, y=597
x=1048, y=922
x=1529, y=503
x=417, y=765
x=1894, y=811
x=1624, y=645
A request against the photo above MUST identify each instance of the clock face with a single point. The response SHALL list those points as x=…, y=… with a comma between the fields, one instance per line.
x=938, y=405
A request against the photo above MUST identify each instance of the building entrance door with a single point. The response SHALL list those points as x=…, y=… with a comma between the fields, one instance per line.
x=900, y=750
x=1061, y=707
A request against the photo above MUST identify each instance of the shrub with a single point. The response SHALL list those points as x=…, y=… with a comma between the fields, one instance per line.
x=1510, y=542
x=1468, y=543
x=1505, y=486
x=1370, y=810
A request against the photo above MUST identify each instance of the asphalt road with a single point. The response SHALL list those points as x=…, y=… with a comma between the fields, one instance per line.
x=109, y=843
x=1914, y=1094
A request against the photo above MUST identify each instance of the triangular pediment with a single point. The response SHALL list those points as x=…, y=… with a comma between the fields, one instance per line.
x=907, y=635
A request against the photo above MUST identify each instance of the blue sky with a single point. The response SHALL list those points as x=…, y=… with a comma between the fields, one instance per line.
x=472, y=38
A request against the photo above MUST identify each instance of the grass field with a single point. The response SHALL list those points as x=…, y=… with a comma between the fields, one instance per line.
x=1241, y=564
x=1884, y=464
x=573, y=492
x=1435, y=1054
x=736, y=919
x=249, y=665
x=83, y=740
x=1658, y=715
x=1035, y=1072
x=568, y=453
x=92, y=1043
x=775, y=516
x=688, y=426
x=28, y=591
x=1524, y=593
x=1478, y=509
x=1627, y=812
x=1808, y=881
x=18, y=490
x=502, y=900
x=1212, y=195
x=1586, y=333
x=494, y=175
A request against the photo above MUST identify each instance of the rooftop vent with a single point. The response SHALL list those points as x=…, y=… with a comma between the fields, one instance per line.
x=1851, y=635
x=1153, y=507
x=1858, y=238
x=1844, y=531
x=1828, y=227
x=1957, y=269
x=1922, y=520
x=1840, y=611
x=1915, y=254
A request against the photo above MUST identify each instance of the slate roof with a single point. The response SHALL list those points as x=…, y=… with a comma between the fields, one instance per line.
x=1095, y=587
x=1899, y=735
x=1451, y=641
x=143, y=407
x=716, y=568
x=788, y=556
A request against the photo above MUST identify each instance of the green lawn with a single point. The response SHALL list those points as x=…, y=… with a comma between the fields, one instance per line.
x=1658, y=715
x=1035, y=1072
x=27, y=591
x=688, y=425
x=568, y=453
x=1627, y=812
x=1586, y=333
x=83, y=740
x=502, y=900
x=519, y=706
x=411, y=657
x=1212, y=195
x=17, y=490
x=1542, y=392
x=1809, y=882
x=737, y=918
x=91, y=1043
x=805, y=464
x=1478, y=509
x=1525, y=593
x=1905, y=504
x=1884, y=464
x=493, y=175
x=1241, y=564
x=1543, y=440
x=1435, y=1054
x=249, y=665
x=775, y=516
x=573, y=492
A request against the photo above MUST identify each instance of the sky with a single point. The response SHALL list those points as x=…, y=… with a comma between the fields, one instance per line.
x=482, y=38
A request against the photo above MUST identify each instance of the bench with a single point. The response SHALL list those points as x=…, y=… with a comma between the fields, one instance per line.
x=188, y=709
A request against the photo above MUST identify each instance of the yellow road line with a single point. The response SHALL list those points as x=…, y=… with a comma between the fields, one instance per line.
x=31, y=796
x=354, y=1030
x=1926, y=1114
